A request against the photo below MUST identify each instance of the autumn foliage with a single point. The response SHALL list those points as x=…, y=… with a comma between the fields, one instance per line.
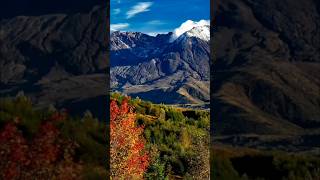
x=128, y=157
x=46, y=155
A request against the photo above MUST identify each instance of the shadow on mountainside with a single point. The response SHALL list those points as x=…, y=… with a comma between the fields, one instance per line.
x=265, y=78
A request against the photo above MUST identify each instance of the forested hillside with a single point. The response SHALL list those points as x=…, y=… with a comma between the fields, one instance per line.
x=48, y=143
x=175, y=139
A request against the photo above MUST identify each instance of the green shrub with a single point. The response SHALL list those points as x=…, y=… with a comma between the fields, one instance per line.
x=174, y=115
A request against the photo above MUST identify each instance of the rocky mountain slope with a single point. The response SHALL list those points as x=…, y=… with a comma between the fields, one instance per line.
x=58, y=59
x=265, y=84
x=150, y=67
x=266, y=78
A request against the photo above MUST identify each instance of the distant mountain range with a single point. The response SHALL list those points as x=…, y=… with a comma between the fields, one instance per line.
x=160, y=68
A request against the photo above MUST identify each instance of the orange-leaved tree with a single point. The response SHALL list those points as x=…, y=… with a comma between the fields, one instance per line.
x=128, y=157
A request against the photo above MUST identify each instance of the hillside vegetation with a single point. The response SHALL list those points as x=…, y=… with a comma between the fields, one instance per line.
x=229, y=163
x=177, y=140
x=49, y=144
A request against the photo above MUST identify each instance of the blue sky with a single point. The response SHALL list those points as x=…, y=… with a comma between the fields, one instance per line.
x=156, y=16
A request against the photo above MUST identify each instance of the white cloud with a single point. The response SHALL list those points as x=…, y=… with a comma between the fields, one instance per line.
x=139, y=8
x=118, y=26
x=116, y=11
x=187, y=26
x=155, y=22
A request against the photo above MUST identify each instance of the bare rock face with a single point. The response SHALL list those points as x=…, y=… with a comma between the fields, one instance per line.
x=266, y=68
x=139, y=60
x=38, y=43
x=55, y=59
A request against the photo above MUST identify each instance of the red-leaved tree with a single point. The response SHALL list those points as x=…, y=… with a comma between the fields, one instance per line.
x=128, y=157
x=45, y=156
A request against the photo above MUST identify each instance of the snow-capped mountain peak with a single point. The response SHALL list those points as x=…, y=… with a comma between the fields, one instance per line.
x=201, y=32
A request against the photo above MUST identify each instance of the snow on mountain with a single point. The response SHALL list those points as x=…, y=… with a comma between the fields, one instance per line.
x=128, y=40
x=201, y=32
x=146, y=66
x=187, y=26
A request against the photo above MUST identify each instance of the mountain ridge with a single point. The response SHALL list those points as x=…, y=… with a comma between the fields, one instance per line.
x=167, y=67
x=57, y=59
x=266, y=82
